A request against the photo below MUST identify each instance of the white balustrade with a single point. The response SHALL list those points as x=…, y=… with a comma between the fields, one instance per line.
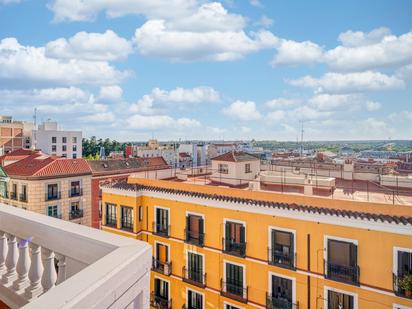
x=35, y=272
x=23, y=264
x=49, y=277
x=3, y=252
x=61, y=266
x=11, y=260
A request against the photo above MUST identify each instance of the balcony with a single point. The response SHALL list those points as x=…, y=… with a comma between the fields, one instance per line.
x=76, y=214
x=23, y=197
x=75, y=192
x=94, y=268
x=234, y=291
x=164, y=268
x=194, y=238
x=52, y=197
x=234, y=248
x=345, y=274
x=161, y=230
x=397, y=283
x=279, y=303
x=281, y=259
x=194, y=277
x=13, y=196
x=159, y=302
x=111, y=221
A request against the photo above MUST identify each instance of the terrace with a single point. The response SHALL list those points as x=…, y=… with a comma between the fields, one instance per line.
x=50, y=263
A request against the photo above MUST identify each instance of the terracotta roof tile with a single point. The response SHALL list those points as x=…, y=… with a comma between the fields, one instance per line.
x=235, y=156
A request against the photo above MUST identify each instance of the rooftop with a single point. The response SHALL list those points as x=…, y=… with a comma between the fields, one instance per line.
x=130, y=165
x=236, y=156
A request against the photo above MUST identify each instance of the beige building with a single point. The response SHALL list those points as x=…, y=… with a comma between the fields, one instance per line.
x=53, y=186
x=235, y=168
x=14, y=134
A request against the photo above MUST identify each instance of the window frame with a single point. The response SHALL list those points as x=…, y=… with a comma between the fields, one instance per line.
x=293, y=279
x=237, y=264
x=325, y=247
x=169, y=286
x=286, y=230
x=198, y=253
x=121, y=218
x=395, y=257
x=197, y=292
x=326, y=289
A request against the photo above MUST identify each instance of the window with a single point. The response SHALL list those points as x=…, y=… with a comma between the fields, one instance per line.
x=64, y=148
x=53, y=211
x=64, y=140
x=75, y=210
x=194, y=300
x=111, y=214
x=13, y=193
x=74, y=139
x=281, y=250
x=233, y=284
x=247, y=168
x=54, y=139
x=64, y=155
x=75, y=189
x=338, y=300
x=234, y=242
x=223, y=169
x=342, y=261
x=194, y=271
x=3, y=189
x=281, y=293
x=161, y=293
x=74, y=147
x=127, y=218
x=162, y=222
x=140, y=213
x=161, y=262
x=194, y=230
x=403, y=267
x=23, y=194
x=54, y=148
x=52, y=192
x=74, y=156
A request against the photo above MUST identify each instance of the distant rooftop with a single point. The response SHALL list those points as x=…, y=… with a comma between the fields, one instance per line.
x=129, y=165
x=236, y=156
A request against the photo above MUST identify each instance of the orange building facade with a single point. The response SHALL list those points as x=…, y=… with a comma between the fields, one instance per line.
x=228, y=248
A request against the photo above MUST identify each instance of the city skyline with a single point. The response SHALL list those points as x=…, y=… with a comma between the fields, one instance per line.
x=130, y=70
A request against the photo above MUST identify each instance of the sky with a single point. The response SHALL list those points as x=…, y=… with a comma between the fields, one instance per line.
x=209, y=70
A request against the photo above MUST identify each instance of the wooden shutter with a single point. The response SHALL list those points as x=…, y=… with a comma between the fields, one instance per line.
x=242, y=234
x=162, y=254
x=227, y=231
x=201, y=227
x=353, y=255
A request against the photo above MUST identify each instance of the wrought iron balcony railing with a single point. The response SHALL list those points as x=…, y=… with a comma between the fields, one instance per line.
x=281, y=259
x=342, y=273
x=397, y=278
x=194, y=277
x=234, y=291
x=164, y=268
x=76, y=214
x=194, y=238
x=75, y=192
x=52, y=197
x=23, y=197
x=13, y=195
x=274, y=302
x=160, y=302
x=232, y=247
x=161, y=229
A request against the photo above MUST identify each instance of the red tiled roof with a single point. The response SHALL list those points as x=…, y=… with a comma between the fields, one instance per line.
x=39, y=165
x=235, y=156
x=17, y=155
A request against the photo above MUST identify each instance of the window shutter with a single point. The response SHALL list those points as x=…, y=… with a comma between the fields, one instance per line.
x=187, y=227
x=201, y=222
x=227, y=227
x=353, y=255
x=242, y=234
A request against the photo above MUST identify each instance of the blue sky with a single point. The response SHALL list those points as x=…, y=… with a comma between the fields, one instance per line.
x=197, y=69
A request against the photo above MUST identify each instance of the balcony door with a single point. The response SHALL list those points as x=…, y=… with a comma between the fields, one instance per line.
x=281, y=293
x=338, y=300
x=161, y=289
x=342, y=261
x=162, y=253
x=404, y=263
x=235, y=238
x=194, y=300
x=162, y=220
x=195, y=267
x=194, y=227
x=234, y=279
x=282, y=248
x=52, y=191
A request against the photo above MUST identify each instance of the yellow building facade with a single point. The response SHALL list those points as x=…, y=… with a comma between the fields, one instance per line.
x=217, y=247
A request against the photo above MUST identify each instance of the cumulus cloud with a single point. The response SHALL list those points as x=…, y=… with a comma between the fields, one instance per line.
x=111, y=93
x=350, y=82
x=155, y=122
x=292, y=52
x=373, y=106
x=264, y=22
x=278, y=115
x=79, y=10
x=107, y=46
x=281, y=103
x=18, y=62
x=358, y=38
x=178, y=97
x=334, y=101
x=242, y=110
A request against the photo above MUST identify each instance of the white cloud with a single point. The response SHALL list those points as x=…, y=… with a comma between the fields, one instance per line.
x=18, y=62
x=292, y=52
x=99, y=118
x=242, y=110
x=373, y=106
x=358, y=38
x=256, y=3
x=80, y=10
x=264, y=22
x=309, y=113
x=373, y=50
x=281, y=103
x=333, y=101
x=155, y=122
x=155, y=39
x=278, y=115
x=107, y=46
x=111, y=93
x=178, y=97
x=350, y=82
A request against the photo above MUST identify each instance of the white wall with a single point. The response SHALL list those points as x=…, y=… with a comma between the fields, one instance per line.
x=44, y=142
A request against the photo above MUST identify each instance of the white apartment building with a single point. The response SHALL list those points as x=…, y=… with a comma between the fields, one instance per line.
x=52, y=140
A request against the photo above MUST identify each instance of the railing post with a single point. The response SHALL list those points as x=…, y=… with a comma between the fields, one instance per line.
x=23, y=265
x=3, y=252
x=11, y=260
x=61, y=274
x=35, y=272
x=49, y=277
